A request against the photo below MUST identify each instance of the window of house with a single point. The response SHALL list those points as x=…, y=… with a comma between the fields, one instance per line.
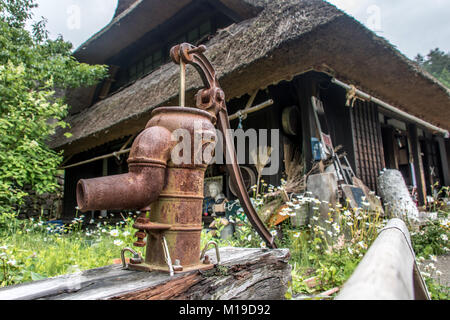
x=193, y=24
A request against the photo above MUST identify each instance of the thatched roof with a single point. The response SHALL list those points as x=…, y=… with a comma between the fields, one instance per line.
x=285, y=39
x=134, y=18
x=123, y=5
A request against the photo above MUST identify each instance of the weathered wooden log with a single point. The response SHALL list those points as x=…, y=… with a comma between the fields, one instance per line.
x=388, y=270
x=396, y=197
x=243, y=274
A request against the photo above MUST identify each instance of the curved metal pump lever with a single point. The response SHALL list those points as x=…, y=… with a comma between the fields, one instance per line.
x=212, y=99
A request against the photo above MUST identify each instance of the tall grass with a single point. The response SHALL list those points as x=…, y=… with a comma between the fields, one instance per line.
x=34, y=249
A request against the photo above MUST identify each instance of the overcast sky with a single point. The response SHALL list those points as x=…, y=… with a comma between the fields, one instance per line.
x=413, y=26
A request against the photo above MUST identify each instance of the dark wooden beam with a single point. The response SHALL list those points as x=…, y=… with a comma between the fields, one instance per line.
x=444, y=160
x=304, y=88
x=416, y=155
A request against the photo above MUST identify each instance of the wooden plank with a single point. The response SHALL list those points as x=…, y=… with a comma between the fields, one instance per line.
x=444, y=161
x=355, y=143
x=373, y=142
x=380, y=141
x=304, y=93
x=372, y=153
x=387, y=271
x=248, y=274
x=364, y=149
x=418, y=165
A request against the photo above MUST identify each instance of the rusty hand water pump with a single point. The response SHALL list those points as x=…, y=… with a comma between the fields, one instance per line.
x=169, y=192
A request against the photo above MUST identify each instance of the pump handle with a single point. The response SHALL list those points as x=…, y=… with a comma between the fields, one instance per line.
x=212, y=99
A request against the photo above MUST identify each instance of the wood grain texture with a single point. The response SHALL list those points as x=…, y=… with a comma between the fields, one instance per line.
x=245, y=274
x=387, y=271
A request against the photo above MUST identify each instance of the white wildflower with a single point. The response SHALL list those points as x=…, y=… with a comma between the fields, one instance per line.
x=118, y=243
x=362, y=244
x=11, y=262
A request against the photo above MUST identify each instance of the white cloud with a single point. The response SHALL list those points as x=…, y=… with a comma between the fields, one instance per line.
x=76, y=20
x=413, y=26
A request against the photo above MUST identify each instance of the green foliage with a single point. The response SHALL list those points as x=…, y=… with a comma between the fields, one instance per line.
x=328, y=250
x=32, y=68
x=33, y=249
x=431, y=239
x=437, y=291
x=437, y=63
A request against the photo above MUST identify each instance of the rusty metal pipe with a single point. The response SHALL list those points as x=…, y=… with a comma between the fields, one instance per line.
x=138, y=188
x=121, y=192
x=164, y=184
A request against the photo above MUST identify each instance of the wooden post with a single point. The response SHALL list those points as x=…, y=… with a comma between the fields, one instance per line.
x=444, y=161
x=305, y=92
x=418, y=164
x=388, y=270
x=243, y=274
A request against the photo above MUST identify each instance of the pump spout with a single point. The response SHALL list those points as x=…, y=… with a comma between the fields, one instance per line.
x=138, y=188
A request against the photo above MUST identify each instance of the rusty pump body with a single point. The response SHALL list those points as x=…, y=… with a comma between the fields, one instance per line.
x=169, y=192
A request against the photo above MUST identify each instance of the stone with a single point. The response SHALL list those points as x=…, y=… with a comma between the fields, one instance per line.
x=324, y=187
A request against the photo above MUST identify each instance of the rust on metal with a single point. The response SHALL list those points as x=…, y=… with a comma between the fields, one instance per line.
x=172, y=193
x=212, y=99
x=169, y=193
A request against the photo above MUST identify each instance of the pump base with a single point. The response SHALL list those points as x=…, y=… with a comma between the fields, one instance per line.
x=149, y=268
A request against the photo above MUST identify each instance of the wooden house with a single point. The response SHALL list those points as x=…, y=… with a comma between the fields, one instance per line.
x=287, y=51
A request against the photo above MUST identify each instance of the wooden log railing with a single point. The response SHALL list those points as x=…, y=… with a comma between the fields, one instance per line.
x=388, y=271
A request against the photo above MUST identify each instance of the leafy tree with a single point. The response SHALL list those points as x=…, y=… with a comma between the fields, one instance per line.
x=32, y=69
x=437, y=63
